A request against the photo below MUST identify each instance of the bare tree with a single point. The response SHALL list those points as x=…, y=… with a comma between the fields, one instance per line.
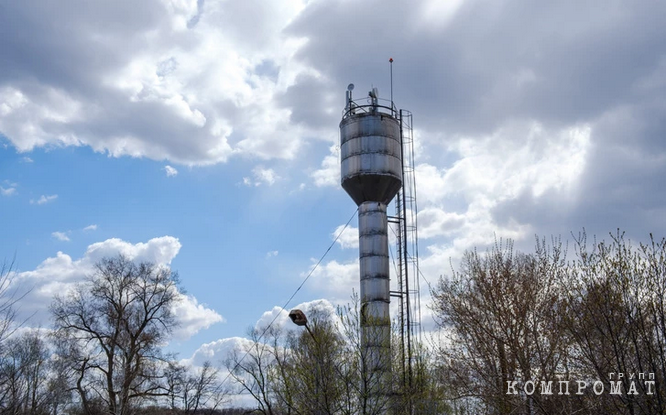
x=25, y=374
x=599, y=320
x=9, y=296
x=191, y=390
x=292, y=373
x=175, y=376
x=617, y=316
x=111, y=328
x=250, y=369
x=503, y=322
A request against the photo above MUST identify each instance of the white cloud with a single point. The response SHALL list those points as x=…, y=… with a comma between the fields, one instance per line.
x=517, y=157
x=459, y=205
x=261, y=176
x=25, y=119
x=8, y=191
x=27, y=160
x=59, y=274
x=434, y=222
x=336, y=279
x=170, y=171
x=160, y=250
x=61, y=236
x=271, y=254
x=90, y=228
x=193, y=317
x=438, y=13
x=266, y=176
x=278, y=317
x=329, y=174
x=217, y=351
x=44, y=199
x=348, y=238
x=202, y=72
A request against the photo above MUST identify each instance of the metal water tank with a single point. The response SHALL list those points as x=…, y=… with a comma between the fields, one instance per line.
x=370, y=152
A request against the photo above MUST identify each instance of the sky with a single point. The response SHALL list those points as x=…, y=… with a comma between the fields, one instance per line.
x=203, y=134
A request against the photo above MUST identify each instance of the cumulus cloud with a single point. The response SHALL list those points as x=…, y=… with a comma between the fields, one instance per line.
x=479, y=65
x=510, y=142
x=218, y=350
x=59, y=274
x=44, y=199
x=170, y=171
x=329, y=173
x=90, y=228
x=271, y=254
x=279, y=317
x=9, y=191
x=61, y=236
x=436, y=222
x=464, y=206
x=213, y=82
x=337, y=279
x=262, y=176
x=193, y=317
x=529, y=118
x=160, y=250
x=347, y=237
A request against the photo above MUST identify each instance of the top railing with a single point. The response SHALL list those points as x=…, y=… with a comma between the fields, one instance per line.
x=371, y=106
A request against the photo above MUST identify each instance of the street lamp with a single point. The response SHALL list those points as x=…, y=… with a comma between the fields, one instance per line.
x=298, y=318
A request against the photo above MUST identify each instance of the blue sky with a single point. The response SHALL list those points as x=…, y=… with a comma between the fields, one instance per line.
x=203, y=134
x=243, y=247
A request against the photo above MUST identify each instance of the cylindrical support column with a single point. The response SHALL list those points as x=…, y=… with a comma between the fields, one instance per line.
x=371, y=173
x=375, y=318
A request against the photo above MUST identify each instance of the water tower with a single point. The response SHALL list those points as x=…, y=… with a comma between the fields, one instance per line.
x=371, y=170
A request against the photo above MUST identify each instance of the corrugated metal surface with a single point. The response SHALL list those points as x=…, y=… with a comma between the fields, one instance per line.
x=371, y=173
x=371, y=166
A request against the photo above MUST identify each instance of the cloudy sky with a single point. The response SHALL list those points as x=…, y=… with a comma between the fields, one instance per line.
x=203, y=133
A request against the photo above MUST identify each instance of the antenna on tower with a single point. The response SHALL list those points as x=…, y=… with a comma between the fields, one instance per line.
x=391, y=70
x=350, y=102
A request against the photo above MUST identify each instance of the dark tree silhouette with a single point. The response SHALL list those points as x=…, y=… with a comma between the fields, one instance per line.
x=110, y=329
